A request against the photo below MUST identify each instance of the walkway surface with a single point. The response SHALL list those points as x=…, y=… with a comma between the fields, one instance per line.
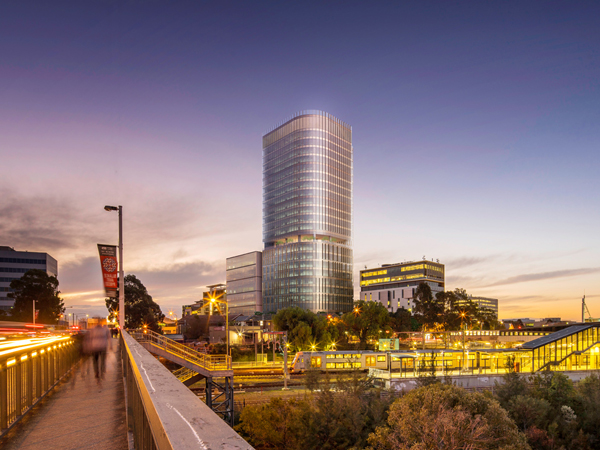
x=80, y=413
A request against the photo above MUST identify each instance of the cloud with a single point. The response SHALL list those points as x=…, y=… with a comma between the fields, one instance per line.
x=467, y=261
x=41, y=223
x=545, y=276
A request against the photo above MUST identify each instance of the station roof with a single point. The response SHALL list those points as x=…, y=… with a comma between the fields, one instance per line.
x=553, y=337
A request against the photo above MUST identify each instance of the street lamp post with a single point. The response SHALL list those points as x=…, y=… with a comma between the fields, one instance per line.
x=121, y=272
x=215, y=300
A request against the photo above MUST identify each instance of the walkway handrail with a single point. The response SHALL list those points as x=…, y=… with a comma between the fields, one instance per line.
x=164, y=414
x=29, y=369
x=209, y=362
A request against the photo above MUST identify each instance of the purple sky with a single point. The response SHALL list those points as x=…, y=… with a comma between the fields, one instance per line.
x=475, y=130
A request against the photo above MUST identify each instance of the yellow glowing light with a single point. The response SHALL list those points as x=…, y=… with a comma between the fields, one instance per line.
x=11, y=362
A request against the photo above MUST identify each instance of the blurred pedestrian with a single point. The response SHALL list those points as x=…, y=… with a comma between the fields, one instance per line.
x=97, y=345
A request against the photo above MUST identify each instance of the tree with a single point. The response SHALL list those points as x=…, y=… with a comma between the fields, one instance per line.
x=140, y=309
x=428, y=310
x=36, y=285
x=367, y=320
x=448, y=417
x=306, y=328
x=402, y=320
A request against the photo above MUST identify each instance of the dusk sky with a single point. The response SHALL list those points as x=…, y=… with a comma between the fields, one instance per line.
x=476, y=133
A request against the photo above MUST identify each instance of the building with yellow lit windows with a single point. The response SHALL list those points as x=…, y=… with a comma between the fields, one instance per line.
x=393, y=285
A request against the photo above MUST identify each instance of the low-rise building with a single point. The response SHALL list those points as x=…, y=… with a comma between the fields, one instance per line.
x=393, y=285
x=482, y=302
x=14, y=264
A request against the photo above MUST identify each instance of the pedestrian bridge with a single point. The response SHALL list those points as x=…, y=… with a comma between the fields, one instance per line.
x=50, y=399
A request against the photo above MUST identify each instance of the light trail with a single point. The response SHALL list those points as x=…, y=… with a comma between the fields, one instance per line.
x=29, y=344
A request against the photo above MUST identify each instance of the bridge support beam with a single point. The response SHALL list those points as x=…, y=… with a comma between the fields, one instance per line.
x=219, y=398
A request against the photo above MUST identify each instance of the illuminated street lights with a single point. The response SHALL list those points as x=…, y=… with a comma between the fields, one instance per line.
x=121, y=275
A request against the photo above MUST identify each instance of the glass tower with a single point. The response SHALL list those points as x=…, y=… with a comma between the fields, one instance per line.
x=307, y=214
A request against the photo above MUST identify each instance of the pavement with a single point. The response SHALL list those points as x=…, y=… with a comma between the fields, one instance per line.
x=81, y=412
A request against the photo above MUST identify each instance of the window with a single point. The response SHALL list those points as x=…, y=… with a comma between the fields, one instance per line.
x=381, y=358
x=370, y=360
x=315, y=361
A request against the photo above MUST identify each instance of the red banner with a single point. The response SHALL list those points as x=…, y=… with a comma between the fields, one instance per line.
x=108, y=262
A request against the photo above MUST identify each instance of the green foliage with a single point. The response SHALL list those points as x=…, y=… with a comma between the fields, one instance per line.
x=449, y=417
x=402, y=320
x=140, y=309
x=37, y=285
x=305, y=328
x=340, y=418
x=367, y=320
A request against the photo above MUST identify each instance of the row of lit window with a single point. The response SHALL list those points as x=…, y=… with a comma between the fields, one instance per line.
x=372, y=274
x=388, y=279
x=421, y=266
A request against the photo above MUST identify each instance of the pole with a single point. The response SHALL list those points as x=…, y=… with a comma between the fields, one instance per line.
x=285, y=360
x=121, y=273
x=227, y=325
x=33, y=311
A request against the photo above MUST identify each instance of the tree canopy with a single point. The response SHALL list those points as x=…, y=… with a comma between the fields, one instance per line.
x=36, y=285
x=449, y=417
x=140, y=309
x=367, y=320
x=305, y=328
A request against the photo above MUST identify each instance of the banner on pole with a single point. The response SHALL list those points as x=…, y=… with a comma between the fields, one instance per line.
x=108, y=262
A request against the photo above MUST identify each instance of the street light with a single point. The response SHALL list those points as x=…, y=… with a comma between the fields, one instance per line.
x=121, y=275
x=216, y=300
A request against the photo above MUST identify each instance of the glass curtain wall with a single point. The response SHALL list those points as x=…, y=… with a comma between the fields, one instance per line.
x=307, y=214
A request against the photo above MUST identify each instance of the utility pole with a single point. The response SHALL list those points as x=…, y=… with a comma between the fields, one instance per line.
x=33, y=311
x=285, y=360
x=121, y=273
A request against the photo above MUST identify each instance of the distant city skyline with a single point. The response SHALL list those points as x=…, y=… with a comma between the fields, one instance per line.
x=474, y=130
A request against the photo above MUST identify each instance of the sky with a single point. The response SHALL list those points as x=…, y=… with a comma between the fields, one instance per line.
x=475, y=134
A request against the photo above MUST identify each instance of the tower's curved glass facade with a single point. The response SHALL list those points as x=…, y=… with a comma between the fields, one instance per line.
x=307, y=214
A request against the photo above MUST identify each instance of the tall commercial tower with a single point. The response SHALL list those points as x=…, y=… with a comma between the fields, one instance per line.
x=307, y=214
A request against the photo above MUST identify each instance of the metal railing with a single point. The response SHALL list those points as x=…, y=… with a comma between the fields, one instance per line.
x=208, y=362
x=162, y=413
x=29, y=369
x=184, y=374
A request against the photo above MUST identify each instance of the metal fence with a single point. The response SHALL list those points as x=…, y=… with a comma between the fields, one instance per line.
x=29, y=369
x=162, y=413
x=209, y=362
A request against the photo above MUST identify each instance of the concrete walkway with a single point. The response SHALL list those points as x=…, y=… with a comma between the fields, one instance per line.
x=80, y=413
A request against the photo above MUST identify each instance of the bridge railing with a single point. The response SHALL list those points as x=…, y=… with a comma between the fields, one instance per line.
x=162, y=413
x=29, y=369
x=209, y=362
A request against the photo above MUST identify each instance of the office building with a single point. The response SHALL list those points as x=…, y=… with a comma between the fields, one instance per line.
x=307, y=214
x=14, y=264
x=244, y=283
x=483, y=302
x=393, y=285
